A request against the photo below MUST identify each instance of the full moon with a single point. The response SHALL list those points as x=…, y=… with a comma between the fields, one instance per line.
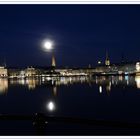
x=48, y=45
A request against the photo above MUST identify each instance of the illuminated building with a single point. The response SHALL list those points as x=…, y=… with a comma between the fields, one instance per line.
x=30, y=71
x=14, y=73
x=107, y=61
x=3, y=72
x=22, y=74
x=138, y=67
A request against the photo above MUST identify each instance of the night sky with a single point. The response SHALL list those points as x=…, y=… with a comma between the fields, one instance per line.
x=81, y=33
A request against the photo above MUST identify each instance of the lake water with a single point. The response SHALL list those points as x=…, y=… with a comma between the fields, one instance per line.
x=114, y=98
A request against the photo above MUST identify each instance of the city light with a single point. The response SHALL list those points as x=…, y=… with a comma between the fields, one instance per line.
x=99, y=62
x=138, y=66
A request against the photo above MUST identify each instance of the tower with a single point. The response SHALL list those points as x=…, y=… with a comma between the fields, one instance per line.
x=107, y=61
x=53, y=61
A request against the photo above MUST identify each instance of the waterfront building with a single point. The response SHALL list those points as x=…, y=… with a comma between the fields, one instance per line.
x=30, y=72
x=14, y=72
x=125, y=68
x=3, y=72
x=22, y=74
x=138, y=67
x=128, y=68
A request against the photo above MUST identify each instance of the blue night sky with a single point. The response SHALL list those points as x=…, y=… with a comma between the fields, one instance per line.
x=81, y=33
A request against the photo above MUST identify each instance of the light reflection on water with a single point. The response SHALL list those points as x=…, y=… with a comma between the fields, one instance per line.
x=109, y=97
x=98, y=97
x=3, y=86
x=100, y=81
x=137, y=79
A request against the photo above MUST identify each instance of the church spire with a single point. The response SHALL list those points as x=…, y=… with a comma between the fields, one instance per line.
x=107, y=61
x=53, y=61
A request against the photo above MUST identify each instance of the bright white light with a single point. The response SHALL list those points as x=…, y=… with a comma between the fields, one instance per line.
x=99, y=62
x=51, y=106
x=100, y=89
x=48, y=45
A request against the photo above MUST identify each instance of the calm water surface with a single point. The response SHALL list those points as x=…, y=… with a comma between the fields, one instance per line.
x=114, y=98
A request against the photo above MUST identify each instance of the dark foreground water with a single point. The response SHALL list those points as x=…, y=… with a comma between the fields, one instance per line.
x=113, y=98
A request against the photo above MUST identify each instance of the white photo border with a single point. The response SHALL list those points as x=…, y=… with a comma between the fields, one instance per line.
x=69, y=2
